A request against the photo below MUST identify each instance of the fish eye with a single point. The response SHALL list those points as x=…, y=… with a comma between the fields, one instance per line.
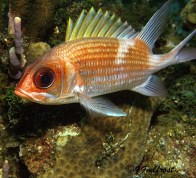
x=44, y=78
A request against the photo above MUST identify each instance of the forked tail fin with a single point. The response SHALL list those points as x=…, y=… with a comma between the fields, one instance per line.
x=154, y=28
x=180, y=54
x=177, y=55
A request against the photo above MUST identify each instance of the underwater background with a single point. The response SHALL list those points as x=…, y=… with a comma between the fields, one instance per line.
x=156, y=139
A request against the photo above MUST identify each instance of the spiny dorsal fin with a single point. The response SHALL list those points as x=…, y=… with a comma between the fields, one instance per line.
x=98, y=24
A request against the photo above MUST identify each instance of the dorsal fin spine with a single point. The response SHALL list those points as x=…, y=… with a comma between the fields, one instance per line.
x=120, y=29
x=86, y=22
x=77, y=25
x=101, y=23
x=93, y=23
x=97, y=24
x=69, y=30
x=106, y=23
x=126, y=31
x=113, y=28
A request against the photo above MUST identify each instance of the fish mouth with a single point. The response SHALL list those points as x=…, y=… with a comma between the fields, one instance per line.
x=22, y=94
x=34, y=97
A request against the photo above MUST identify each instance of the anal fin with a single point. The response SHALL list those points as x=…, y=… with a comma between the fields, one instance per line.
x=153, y=86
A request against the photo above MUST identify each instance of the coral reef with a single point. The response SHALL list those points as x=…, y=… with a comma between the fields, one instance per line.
x=3, y=8
x=123, y=8
x=1, y=16
x=38, y=156
x=39, y=153
x=30, y=13
x=8, y=145
x=103, y=146
x=65, y=10
x=171, y=140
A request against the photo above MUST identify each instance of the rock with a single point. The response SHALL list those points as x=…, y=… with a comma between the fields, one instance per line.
x=188, y=14
x=36, y=50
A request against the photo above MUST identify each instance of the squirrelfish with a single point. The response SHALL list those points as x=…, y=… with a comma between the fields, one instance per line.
x=102, y=55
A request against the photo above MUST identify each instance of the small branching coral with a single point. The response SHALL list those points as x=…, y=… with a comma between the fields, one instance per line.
x=5, y=169
x=17, y=59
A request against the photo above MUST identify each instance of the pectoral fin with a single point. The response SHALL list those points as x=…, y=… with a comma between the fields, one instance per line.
x=153, y=86
x=100, y=106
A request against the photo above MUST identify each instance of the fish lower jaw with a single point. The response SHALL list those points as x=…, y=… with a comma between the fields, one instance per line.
x=21, y=93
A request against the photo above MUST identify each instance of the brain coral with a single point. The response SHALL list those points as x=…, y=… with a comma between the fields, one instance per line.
x=106, y=146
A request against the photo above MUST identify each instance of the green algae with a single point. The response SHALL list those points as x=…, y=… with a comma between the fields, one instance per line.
x=14, y=107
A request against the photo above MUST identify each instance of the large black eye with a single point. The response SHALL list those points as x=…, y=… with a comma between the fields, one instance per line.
x=44, y=78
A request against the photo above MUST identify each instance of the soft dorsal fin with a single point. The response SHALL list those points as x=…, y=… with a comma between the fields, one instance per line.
x=155, y=25
x=98, y=24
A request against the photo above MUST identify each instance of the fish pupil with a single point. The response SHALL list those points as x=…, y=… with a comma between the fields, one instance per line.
x=44, y=78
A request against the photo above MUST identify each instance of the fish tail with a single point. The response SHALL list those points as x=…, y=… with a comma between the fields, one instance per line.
x=152, y=31
x=182, y=54
x=177, y=55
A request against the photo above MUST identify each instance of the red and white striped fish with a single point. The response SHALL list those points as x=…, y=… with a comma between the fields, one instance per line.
x=101, y=55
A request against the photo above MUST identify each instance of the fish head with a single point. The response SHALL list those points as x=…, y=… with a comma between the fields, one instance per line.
x=42, y=81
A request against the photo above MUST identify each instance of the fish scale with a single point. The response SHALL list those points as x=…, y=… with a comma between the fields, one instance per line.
x=101, y=56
